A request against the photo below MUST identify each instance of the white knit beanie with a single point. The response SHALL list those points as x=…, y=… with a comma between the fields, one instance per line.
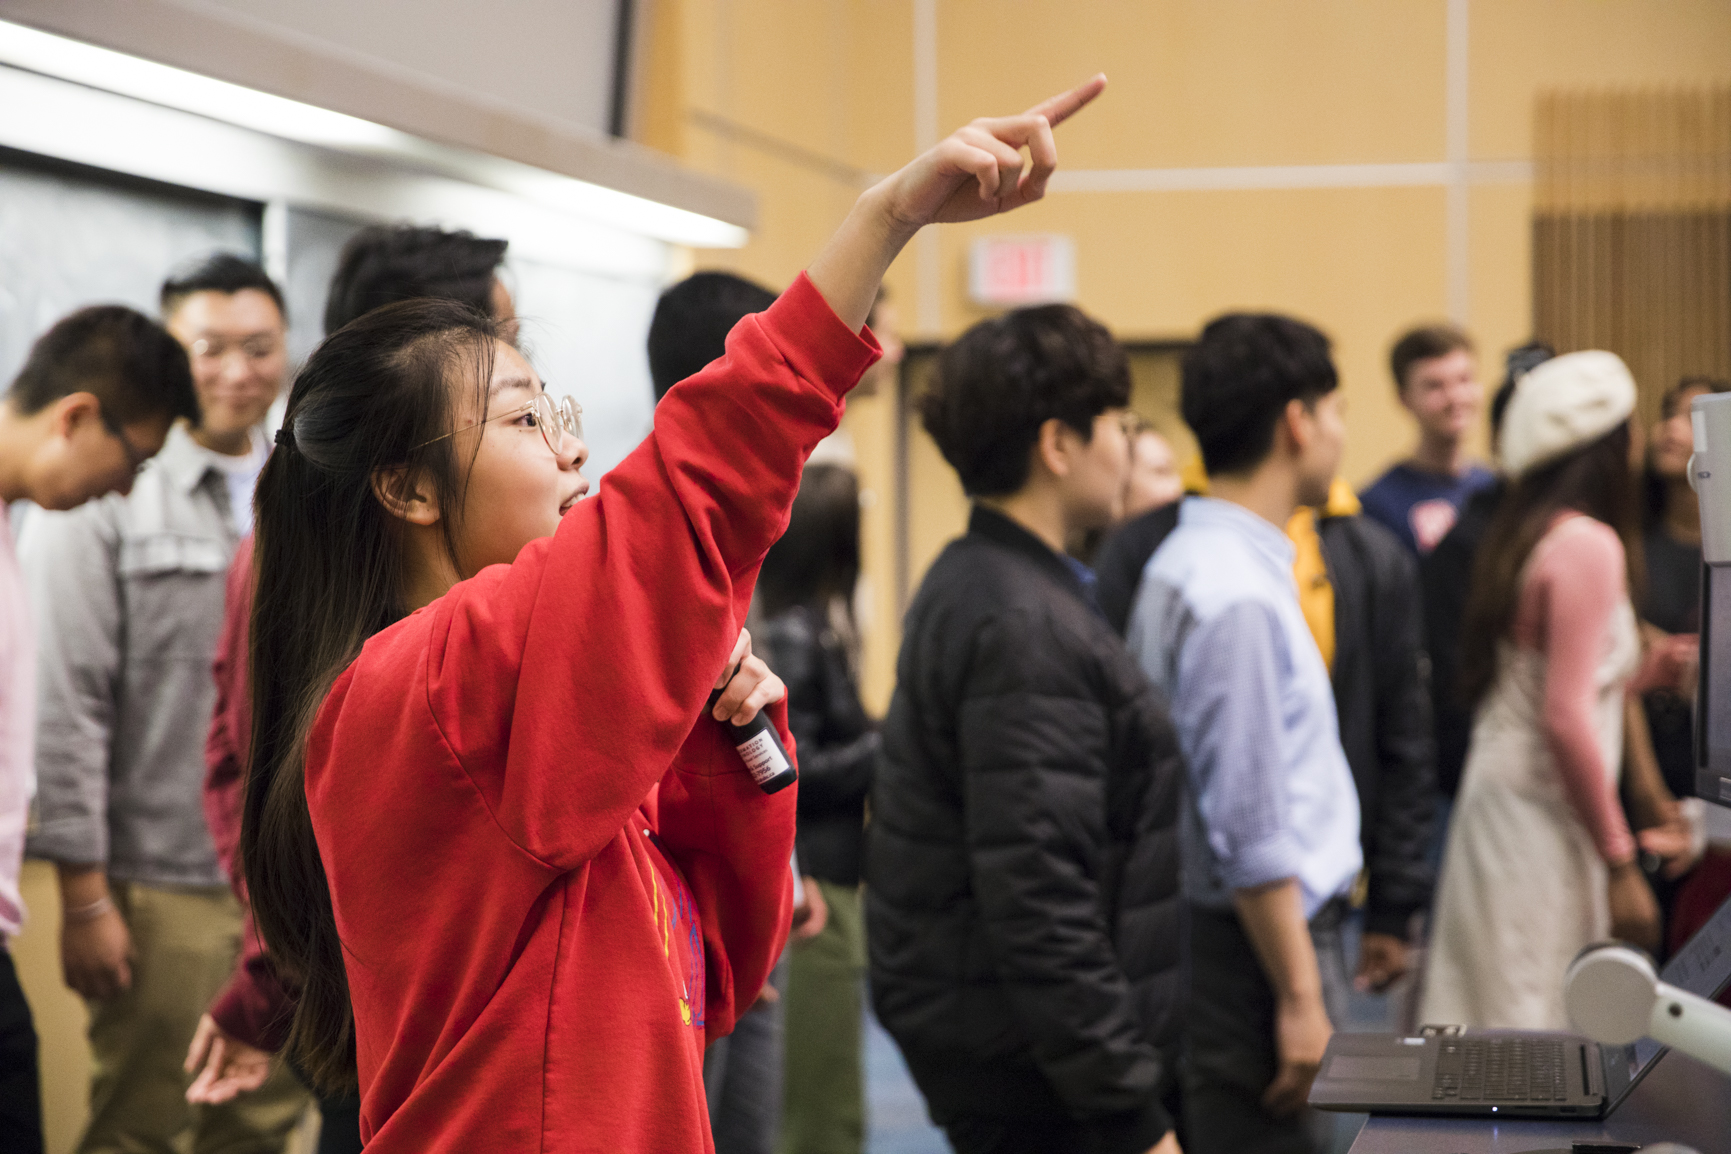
x=1563, y=404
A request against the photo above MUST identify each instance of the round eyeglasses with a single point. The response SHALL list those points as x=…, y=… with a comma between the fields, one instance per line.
x=136, y=458
x=553, y=416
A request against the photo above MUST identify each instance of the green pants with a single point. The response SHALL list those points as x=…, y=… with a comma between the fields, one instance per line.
x=823, y=1097
x=184, y=945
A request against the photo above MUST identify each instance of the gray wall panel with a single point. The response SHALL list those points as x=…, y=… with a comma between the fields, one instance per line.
x=585, y=335
x=68, y=239
x=315, y=240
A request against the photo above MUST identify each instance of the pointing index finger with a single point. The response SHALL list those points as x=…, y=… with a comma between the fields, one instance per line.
x=1061, y=107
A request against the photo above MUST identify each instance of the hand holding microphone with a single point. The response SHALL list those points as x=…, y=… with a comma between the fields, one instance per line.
x=740, y=694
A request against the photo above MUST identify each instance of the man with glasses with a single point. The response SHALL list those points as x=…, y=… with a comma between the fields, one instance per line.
x=128, y=592
x=94, y=399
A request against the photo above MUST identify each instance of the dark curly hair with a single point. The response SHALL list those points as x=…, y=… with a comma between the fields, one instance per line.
x=1426, y=342
x=1004, y=378
x=131, y=364
x=1240, y=376
x=221, y=272
x=817, y=557
x=692, y=320
x=383, y=264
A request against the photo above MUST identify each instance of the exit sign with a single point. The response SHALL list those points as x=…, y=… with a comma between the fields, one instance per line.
x=1022, y=270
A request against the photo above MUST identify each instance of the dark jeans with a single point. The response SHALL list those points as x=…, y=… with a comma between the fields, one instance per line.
x=742, y=1078
x=1229, y=1047
x=340, y=1125
x=339, y=1119
x=20, y=1079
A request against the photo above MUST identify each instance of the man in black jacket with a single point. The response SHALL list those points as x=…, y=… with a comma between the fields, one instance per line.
x=1380, y=695
x=1022, y=861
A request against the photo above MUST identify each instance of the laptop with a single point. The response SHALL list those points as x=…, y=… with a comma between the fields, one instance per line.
x=1510, y=1073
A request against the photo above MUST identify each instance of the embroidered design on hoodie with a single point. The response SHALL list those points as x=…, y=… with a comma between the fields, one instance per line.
x=676, y=927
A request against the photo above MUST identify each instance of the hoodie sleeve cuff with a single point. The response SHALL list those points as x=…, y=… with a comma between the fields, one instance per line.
x=1393, y=919
x=815, y=342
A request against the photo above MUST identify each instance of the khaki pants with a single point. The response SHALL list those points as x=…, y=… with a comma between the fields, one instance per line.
x=823, y=1108
x=184, y=944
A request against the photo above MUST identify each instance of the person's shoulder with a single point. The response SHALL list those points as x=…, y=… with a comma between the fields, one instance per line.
x=970, y=578
x=1209, y=567
x=1364, y=530
x=1390, y=486
x=1478, y=477
x=100, y=517
x=964, y=558
x=1582, y=538
x=1136, y=540
x=1386, y=558
x=1577, y=551
x=1387, y=499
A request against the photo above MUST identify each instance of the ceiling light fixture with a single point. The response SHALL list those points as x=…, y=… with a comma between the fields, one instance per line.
x=58, y=56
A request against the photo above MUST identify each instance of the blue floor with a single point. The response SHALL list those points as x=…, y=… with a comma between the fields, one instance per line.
x=896, y=1121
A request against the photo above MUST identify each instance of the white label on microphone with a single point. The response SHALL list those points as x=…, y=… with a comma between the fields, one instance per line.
x=763, y=757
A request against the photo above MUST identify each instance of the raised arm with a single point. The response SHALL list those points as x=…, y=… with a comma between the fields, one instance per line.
x=975, y=173
x=1577, y=579
x=608, y=636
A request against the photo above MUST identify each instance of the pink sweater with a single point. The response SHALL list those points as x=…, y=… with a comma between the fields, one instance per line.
x=17, y=728
x=1575, y=585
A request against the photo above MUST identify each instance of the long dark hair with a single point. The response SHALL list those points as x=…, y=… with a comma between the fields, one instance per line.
x=1595, y=480
x=817, y=558
x=329, y=569
x=1656, y=490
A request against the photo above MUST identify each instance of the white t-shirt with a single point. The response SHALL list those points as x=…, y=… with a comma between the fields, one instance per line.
x=241, y=473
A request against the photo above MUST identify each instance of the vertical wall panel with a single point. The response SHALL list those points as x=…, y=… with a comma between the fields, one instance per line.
x=1632, y=230
x=71, y=237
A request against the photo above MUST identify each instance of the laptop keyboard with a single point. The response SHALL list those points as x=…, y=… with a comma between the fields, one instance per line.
x=1499, y=1070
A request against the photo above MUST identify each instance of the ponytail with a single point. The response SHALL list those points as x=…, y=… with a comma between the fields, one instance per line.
x=328, y=561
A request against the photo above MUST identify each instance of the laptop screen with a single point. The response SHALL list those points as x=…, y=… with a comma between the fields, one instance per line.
x=1702, y=967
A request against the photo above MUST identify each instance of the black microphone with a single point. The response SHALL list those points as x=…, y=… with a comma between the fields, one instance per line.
x=761, y=749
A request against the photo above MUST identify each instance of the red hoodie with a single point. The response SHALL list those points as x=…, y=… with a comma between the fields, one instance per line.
x=255, y=1006
x=553, y=882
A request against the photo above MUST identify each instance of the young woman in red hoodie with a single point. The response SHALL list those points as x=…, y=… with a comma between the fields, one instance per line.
x=519, y=875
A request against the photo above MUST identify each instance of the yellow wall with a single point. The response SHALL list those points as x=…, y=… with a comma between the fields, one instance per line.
x=816, y=88
x=60, y=1016
x=803, y=100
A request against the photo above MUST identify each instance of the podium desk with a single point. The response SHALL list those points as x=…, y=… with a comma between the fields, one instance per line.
x=1680, y=1100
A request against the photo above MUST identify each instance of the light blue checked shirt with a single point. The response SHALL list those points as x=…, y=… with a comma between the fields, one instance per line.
x=1217, y=627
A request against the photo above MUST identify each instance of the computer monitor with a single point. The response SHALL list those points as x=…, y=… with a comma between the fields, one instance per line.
x=1710, y=474
x=1703, y=968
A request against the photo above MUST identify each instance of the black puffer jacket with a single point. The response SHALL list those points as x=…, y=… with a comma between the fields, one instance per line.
x=1022, y=861
x=1382, y=695
x=837, y=746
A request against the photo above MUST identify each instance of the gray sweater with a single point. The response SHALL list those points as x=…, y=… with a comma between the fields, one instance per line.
x=128, y=596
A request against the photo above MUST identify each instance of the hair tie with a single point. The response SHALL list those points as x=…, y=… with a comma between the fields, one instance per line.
x=285, y=436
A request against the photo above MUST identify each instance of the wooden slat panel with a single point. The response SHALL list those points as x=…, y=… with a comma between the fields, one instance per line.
x=1632, y=230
